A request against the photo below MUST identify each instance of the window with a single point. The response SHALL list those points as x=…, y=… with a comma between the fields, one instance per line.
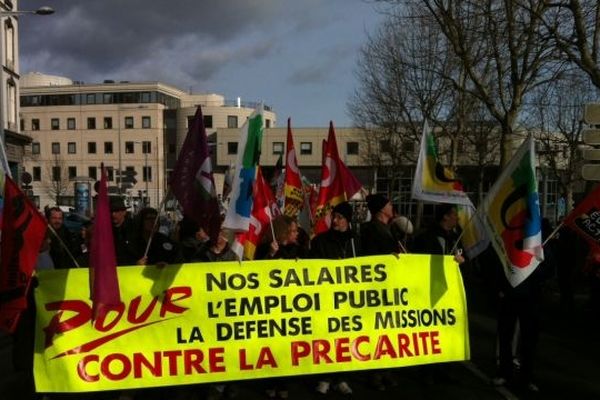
x=72, y=148
x=9, y=44
x=11, y=104
x=232, y=121
x=71, y=125
x=232, y=147
x=107, y=122
x=108, y=147
x=22, y=124
x=107, y=98
x=56, y=174
x=277, y=148
x=267, y=123
x=92, y=173
x=305, y=148
x=35, y=124
x=91, y=147
x=190, y=120
x=91, y=123
x=37, y=174
x=352, y=148
x=35, y=148
x=129, y=148
x=146, y=147
x=146, y=123
x=72, y=172
x=147, y=174
x=110, y=174
x=55, y=148
x=208, y=122
x=55, y=124
x=90, y=98
x=128, y=122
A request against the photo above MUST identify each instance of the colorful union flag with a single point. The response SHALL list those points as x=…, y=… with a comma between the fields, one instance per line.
x=512, y=216
x=293, y=191
x=434, y=182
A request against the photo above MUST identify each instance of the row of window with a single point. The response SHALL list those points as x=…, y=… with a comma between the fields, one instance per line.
x=71, y=172
x=99, y=98
x=232, y=121
x=305, y=148
x=91, y=147
x=55, y=124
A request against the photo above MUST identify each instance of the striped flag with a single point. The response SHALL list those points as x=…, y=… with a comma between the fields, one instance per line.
x=240, y=205
x=512, y=216
x=264, y=209
x=585, y=218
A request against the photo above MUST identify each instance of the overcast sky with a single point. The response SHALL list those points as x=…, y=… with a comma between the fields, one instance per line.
x=298, y=56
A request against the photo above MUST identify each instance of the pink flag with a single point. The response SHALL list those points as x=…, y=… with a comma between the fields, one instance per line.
x=104, y=282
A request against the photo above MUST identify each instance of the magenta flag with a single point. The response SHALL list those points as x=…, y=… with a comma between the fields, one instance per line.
x=192, y=180
x=104, y=282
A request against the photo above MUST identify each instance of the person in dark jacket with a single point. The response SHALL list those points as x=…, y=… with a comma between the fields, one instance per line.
x=521, y=303
x=192, y=239
x=63, y=243
x=162, y=249
x=123, y=233
x=338, y=241
x=442, y=237
x=376, y=236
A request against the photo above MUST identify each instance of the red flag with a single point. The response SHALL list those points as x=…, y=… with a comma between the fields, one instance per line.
x=331, y=191
x=585, y=218
x=192, y=180
x=23, y=232
x=349, y=181
x=294, y=196
x=104, y=282
x=264, y=209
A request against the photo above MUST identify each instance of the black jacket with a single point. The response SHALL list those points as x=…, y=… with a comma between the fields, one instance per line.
x=332, y=244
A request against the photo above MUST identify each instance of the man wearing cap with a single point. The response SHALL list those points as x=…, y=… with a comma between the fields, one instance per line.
x=375, y=235
x=123, y=233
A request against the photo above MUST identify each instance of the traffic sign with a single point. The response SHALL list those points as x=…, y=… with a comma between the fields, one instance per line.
x=591, y=114
x=591, y=136
x=591, y=154
x=591, y=172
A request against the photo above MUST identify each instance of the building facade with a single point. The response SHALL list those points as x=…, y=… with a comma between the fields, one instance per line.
x=134, y=128
x=14, y=140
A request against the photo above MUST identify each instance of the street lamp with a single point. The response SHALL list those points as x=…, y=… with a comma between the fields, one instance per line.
x=40, y=11
x=119, y=109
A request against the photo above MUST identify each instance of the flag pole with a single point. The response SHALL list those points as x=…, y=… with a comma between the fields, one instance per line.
x=64, y=246
x=463, y=231
x=160, y=207
x=553, y=233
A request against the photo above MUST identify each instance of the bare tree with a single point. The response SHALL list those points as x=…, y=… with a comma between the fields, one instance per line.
x=556, y=114
x=59, y=184
x=575, y=27
x=503, y=55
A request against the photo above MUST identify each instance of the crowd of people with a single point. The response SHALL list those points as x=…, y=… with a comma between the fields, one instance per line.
x=138, y=241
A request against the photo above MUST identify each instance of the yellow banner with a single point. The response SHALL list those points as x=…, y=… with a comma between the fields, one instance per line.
x=210, y=322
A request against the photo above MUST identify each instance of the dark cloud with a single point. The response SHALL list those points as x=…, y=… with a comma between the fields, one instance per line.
x=93, y=36
x=324, y=67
